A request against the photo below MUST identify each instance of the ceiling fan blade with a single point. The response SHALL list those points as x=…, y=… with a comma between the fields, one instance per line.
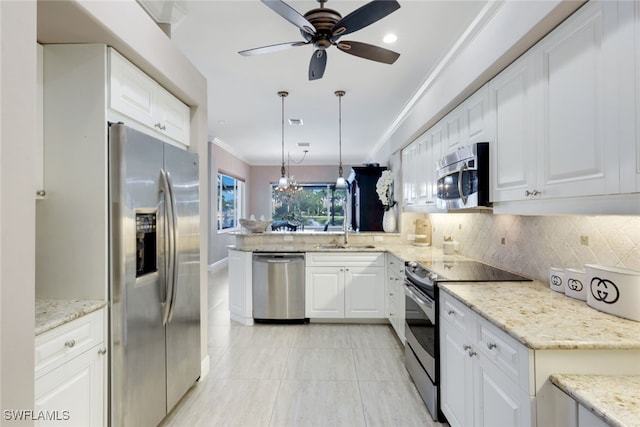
x=291, y=15
x=368, y=51
x=318, y=64
x=363, y=16
x=271, y=48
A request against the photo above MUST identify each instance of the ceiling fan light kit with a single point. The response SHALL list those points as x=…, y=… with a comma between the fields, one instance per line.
x=322, y=27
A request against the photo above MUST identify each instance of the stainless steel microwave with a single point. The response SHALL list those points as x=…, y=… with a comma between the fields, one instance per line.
x=463, y=178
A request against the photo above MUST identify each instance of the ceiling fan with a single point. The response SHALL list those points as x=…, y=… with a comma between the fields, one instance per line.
x=323, y=27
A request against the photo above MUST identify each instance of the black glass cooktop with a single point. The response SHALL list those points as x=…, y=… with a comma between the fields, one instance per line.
x=469, y=271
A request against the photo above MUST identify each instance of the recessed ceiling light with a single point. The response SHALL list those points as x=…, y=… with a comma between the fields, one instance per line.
x=295, y=122
x=390, y=38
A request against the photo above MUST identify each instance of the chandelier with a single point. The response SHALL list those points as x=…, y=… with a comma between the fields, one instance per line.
x=291, y=187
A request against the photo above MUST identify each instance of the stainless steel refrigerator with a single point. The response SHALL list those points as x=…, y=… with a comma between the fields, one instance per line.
x=154, y=293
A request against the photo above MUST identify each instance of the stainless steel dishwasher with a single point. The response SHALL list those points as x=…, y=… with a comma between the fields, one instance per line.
x=278, y=286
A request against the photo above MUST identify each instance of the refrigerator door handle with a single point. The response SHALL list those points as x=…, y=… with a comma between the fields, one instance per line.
x=168, y=243
x=174, y=240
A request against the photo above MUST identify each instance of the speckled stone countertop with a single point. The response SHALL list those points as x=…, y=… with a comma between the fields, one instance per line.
x=543, y=319
x=51, y=313
x=615, y=399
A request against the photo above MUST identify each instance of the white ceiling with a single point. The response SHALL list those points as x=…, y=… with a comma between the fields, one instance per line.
x=244, y=108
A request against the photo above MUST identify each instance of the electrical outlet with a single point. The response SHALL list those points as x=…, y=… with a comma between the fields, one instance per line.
x=584, y=240
x=503, y=241
x=378, y=238
x=459, y=226
x=288, y=238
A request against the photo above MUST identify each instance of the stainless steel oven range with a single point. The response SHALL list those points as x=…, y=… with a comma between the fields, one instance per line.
x=421, y=314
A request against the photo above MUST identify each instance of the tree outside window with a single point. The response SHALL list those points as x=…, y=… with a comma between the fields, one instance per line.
x=313, y=206
x=229, y=198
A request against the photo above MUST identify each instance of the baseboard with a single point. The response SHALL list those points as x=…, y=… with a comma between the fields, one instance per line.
x=204, y=368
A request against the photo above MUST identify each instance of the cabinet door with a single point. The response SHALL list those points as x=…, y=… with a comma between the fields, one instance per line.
x=513, y=160
x=73, y=392
x=453, y=127
x=240, y=291
x=173, y=117
x=324, y=292
x=498, y=400
x=477, y=124
x=133, y=93
x=409, y=179
x=456, y=373
x=364, y=292
x=579, y=147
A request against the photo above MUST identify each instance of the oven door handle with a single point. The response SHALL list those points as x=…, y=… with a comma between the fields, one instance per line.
x=426, y=304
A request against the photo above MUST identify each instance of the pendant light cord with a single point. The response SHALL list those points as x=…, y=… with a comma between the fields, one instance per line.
x=340, y=94
x=282, y=95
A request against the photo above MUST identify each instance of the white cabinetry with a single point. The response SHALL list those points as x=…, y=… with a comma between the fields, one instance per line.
x=513, y=148
x=70, y=372
x=345, y=285
x=395, y=302
x=556, y=113
x=485, y=373
x=139, y=97
x=409, y=175
x=240, y=286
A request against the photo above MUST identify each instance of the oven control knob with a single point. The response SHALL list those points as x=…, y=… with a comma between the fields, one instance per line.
x=412, y=264
x=433, y=277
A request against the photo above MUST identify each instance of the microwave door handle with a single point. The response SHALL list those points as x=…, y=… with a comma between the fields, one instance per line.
x=463, y=168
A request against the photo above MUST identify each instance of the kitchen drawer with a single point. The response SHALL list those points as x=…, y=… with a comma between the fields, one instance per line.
x=395, y=265
x=345, y=258
x=456, y=313
x=508, y=354
x=55, y=347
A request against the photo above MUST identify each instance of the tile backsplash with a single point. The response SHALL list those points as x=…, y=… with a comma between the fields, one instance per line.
x=531, y=244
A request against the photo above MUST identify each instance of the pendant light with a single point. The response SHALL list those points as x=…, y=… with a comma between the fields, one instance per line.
x=283, y=182
x=340, y=182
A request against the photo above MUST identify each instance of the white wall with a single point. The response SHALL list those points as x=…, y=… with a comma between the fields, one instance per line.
x=17, y=204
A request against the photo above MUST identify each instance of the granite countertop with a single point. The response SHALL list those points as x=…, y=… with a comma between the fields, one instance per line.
x=543, y=319
x=613, y=398
x=51, y=313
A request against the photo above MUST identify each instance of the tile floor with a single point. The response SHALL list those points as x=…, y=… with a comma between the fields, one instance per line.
x=299, y=375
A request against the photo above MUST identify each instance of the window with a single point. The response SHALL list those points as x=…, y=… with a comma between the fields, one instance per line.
x=230, y=195
x=310, y=206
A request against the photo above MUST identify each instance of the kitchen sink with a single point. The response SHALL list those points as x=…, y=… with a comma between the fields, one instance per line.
x=338, y=246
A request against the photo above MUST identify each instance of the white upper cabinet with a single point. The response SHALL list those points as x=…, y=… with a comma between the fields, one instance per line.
x=513, y=148
x=453, y=126
x=556, y=113
x=140, y=98
x=578, y=149
x=477, y=117
x=409, y=176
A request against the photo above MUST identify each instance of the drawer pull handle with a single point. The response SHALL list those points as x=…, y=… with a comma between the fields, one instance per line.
x=102, y=351
x=451, y=312
x=160, y=126
x=472, y=353
x=466, y=347
x=70, y=343
x=491, y=345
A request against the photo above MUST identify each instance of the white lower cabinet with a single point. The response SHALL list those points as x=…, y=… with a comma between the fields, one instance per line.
x=70, y=373
x=484, y=372
x=345, y=285
x=395, y=302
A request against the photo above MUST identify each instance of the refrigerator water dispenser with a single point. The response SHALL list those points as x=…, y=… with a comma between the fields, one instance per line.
x=146, y=254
